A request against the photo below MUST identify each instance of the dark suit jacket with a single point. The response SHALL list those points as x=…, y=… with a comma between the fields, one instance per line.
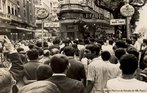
x=67, y=85
x=17, y=66
x=76, y=71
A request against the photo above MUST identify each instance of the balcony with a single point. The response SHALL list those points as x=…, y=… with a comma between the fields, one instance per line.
x=71, y=7
x=74, y=21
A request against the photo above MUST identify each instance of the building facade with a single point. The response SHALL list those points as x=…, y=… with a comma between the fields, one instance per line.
x=17, y=18
x=82, y=19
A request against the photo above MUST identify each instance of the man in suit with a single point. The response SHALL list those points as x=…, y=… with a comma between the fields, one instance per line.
x=77, y=70
x=60, y=65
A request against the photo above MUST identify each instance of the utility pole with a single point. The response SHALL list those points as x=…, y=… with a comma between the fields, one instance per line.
x=128, y=23
x=127, y=10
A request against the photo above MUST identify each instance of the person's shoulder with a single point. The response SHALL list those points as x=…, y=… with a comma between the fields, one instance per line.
x=113, y=81
x=76, y=82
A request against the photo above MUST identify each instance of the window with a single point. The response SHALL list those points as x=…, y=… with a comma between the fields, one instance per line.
x=12, y=11
x=9, y=11
x=15, y=12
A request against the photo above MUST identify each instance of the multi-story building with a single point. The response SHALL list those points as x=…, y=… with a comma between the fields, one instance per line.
x=83, y=19
x=17, y=18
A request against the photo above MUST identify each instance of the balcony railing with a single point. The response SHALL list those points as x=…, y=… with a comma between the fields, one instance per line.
x=71, y=6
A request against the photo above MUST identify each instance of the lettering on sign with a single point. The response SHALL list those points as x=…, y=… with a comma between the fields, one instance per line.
x=52, y=24
x=127, y=10
x=117, y=22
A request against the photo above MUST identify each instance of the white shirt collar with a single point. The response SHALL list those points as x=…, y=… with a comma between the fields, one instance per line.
x=59, y=74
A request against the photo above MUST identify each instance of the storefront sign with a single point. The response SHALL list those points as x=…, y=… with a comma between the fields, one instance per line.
x=127, y=10
x=52, y=24
x=117, y=22
x=42, y=13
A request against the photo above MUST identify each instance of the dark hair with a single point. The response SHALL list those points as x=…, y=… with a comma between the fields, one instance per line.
x=128, y=63
x=111, y=42
x=56, y=41
x=44, y=72
x=59, y=63
x=69, y=51
x=93, y=48
x=45, y=44
x=132, y=50
x=119, y=53
x=145, y=41
x=128, y=41
x=33, y=54
x=120, y=44
x=86, y=41
x=105, y=55
x=76, y=41
x=31, y=46
x=39, y=44
x=19, y=50
x=40, y=51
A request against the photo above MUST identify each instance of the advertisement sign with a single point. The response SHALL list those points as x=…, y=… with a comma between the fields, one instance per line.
x=127, y=10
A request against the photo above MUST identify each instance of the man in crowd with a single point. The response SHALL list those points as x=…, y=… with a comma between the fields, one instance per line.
x=127, y=82
x=76, y=70
x=40, y=87
x=97, y=70
x=30, y=68
x=60, y=65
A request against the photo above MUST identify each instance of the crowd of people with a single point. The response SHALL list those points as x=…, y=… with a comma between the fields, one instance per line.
x=75, y=66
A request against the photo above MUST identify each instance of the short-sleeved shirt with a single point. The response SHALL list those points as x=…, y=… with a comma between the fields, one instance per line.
x=98, y=73
x=120, y=85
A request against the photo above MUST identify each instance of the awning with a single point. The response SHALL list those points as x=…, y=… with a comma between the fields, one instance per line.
x=24, y=29
x=6, y=26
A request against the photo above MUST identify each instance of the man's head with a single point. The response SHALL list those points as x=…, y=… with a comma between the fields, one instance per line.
x=59, y=63
x=33, y=54
x=111, y=42
x=56, y=41
x=46, y=53
x=44, y=72
x=128, y=64
x=6, y=81
x=54, y=51
x=119, y=53
x=92, y=51
x=132, y=50
x=69, y=51
x=105, y=55
x=40, y=87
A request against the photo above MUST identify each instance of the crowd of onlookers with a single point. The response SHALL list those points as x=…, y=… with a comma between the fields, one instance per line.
x=75, y=66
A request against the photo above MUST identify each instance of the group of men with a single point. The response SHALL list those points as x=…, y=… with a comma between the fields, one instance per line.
x=96, y=67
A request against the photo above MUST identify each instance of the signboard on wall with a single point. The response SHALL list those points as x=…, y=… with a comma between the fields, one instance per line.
x=117, y=22
x=52, y=24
